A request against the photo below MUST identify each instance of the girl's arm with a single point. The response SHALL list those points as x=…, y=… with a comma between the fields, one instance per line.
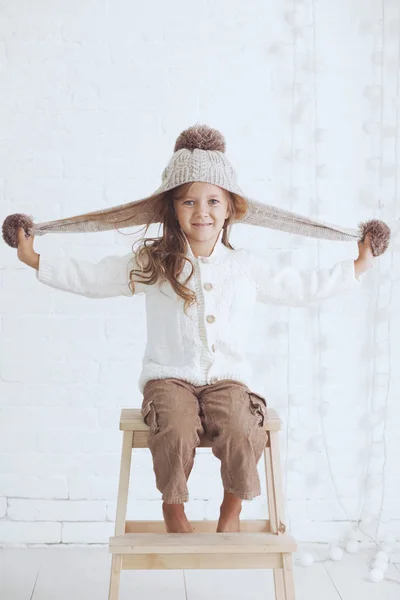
x=107, y=278
x=301, y=288
x=291, y=287
x=104, y=279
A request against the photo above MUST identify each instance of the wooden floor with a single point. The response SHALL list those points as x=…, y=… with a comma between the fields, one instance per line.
x=65, y=573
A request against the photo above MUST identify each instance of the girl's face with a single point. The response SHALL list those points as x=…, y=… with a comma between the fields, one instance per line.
x=202, y=212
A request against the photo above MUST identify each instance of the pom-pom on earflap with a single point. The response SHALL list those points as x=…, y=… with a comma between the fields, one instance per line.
x=379, y=235
x=201, y=137
x=11, y=225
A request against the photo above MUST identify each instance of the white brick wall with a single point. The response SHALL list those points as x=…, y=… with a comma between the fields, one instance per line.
x=50, y=510
x=93, y=98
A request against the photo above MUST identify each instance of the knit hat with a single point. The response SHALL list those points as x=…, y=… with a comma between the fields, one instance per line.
x=199, y=155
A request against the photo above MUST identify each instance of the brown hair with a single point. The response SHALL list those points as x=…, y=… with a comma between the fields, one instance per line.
x=163, y=258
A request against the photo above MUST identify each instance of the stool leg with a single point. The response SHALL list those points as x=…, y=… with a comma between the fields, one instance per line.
x=283, y=577
x=122, y=501
x=284, y=580
x=115, y=576
x=273, y=475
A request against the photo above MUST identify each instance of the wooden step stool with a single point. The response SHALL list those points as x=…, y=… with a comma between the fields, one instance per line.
x=261, y=544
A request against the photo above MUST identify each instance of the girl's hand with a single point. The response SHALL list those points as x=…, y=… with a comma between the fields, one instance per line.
x=365, y=258
x=365, y=255
x=25, y=252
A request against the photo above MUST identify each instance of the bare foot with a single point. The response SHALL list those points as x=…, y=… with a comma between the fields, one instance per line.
x=229, y=520
x=175, y=518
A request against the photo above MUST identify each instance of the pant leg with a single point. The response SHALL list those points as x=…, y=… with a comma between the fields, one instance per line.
x=234, y=417
x=171, y=409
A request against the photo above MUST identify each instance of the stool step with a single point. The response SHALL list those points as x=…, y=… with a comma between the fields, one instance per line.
x=203, y=526
x=202, y=543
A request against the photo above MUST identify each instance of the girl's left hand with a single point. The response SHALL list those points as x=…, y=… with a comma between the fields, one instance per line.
x=365, y=255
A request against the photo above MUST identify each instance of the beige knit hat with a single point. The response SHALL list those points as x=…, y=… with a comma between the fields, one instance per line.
x=199, y=155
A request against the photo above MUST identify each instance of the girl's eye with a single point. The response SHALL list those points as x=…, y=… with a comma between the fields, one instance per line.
x=191, y=202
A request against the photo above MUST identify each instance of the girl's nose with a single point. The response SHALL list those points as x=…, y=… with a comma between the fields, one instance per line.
x=202, y=210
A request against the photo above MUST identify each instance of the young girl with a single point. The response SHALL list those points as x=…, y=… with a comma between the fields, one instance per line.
x=200, y=298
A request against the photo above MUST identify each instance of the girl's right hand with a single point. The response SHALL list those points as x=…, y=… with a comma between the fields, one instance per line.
x=25, y=252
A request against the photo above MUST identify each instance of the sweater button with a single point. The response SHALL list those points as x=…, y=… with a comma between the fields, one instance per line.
x=213, y=347
x=208, y=286
x=210, y=319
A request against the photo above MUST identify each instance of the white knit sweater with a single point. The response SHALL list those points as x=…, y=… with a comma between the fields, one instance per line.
x=208, y=343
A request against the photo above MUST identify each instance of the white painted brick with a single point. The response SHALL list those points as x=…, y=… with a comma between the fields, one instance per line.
x=60, y=372
x=21, y=394
x=3, y=507
x=317, y=509
x=33, y=487
x=111, y=509
x=256, y=508
x=10, y=441
x=44, y=190
x=138, y=510
x=46, y=167
x=310, y=531
x=109, y=418
x=92, y=488
x=49, y=418
x=120, y=395
x=87, y=533
x=205, y=479
x=56, y=510
x=21, y=279
x=13, y=303
x=195, y=510
x=112, y=371
x=60, y=330
x=12, y=532
x=56, y=465
x=67, y=304
x=98, y=465
x=79, y=442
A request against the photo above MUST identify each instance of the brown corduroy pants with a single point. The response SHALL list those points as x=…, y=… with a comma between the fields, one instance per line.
x=227, y=412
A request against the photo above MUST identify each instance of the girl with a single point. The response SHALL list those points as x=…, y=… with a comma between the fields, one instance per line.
x=200, y=297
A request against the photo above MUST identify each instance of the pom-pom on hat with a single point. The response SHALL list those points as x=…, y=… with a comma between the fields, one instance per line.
x=199, y=155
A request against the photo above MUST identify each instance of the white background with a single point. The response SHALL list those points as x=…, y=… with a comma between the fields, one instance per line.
x=93, y=96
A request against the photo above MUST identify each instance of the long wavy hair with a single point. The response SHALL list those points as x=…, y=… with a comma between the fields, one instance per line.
x=162, y=258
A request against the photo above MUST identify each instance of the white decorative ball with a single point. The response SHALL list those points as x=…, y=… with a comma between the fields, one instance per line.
x=352, y=547
x=376, y=575
x=306, y=559
x=336, y=553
